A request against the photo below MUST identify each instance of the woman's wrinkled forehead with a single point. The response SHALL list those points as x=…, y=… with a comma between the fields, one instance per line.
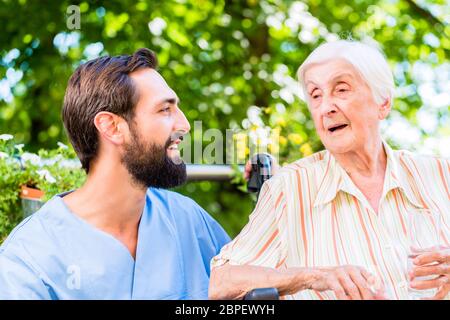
x=330, y=71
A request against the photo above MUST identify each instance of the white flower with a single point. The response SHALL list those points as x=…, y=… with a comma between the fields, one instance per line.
x=254, y=115
x=19, y=146
x=62, y=145
x=58, y=157
x=45, y=174
x=6, y=137
x=34, y=159
x=3, y=155
x=71, y=164
x=157, y=26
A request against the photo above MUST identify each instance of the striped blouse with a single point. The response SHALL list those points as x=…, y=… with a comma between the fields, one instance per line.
x=311, y=214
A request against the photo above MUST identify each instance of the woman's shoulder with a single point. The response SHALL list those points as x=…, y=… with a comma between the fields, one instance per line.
x=308, y=171
x=408, y=158
x=314, y=162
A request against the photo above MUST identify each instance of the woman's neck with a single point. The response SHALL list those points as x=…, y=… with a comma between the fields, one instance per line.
x=368, y=161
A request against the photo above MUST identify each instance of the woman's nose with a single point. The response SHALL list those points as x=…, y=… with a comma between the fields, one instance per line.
x=328, y=107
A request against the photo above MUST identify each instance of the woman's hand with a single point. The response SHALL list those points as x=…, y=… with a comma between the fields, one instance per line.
x=348, y=283
x=433, y=263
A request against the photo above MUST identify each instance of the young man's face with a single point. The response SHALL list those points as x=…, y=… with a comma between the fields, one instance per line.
x=151, y=153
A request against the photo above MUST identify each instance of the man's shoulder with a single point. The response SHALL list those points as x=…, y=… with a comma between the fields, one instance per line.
x=177, y=205
x=171, y=198
x=29, y=233
x=185, y=213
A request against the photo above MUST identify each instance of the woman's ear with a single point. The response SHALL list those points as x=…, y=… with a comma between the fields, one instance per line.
x=110, y=127
x=384, y=109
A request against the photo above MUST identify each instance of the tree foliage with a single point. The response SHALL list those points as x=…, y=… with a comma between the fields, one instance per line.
x=221, y=57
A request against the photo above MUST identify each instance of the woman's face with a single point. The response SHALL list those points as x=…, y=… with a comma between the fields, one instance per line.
x=344, y=111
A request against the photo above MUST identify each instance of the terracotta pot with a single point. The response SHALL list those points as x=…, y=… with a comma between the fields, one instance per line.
x=31, y=200
x=31, y=193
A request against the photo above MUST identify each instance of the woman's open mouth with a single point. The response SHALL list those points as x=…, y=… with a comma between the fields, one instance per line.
x=337, y=128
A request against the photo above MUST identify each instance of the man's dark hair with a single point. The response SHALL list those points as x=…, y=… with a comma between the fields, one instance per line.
x=101, y=84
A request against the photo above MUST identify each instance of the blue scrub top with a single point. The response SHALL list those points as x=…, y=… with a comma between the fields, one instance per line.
x=54, y=254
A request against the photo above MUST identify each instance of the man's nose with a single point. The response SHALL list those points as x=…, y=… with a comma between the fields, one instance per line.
x=182, y=123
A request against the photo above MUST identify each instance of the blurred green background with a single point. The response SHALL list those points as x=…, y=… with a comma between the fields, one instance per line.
x=223, y=57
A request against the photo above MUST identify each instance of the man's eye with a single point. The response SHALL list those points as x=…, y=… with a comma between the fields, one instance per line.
x=165, y=109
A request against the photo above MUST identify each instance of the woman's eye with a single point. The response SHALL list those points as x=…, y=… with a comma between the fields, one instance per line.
x=165, y=109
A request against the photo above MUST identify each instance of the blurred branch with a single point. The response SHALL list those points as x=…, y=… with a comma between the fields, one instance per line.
x=424, y=13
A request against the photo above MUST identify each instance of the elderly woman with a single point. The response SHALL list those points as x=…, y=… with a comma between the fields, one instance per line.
x=327, y=226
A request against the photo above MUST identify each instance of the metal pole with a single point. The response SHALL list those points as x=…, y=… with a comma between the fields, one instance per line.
x=216, y=172
x=195, y=172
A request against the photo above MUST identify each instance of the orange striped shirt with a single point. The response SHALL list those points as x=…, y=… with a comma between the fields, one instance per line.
x=311, y=214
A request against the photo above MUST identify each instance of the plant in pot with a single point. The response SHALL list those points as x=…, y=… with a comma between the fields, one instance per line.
x=28, y=180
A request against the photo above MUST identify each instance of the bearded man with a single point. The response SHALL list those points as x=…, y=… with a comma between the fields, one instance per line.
x=121, y=235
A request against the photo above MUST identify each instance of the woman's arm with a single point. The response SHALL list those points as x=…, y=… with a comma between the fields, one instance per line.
x=347, y=282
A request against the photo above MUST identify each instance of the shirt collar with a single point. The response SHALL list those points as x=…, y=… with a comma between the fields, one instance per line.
x=398, y=177
x=331, y=181
x=336, y=179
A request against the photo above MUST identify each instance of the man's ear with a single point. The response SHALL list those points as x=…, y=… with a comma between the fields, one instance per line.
x=111, y=127
x=384, y=109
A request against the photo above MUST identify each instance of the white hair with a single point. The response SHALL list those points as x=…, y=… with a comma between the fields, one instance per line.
x=367, y=59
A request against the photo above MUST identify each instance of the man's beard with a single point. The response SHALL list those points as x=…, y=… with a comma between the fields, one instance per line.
x=150, y=166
